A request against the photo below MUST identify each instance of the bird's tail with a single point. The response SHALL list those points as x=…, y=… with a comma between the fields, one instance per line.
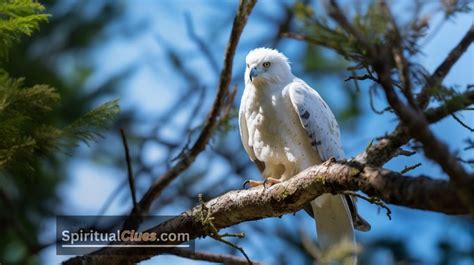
x=334, y=223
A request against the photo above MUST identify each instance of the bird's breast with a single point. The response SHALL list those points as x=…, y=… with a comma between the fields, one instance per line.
x=276, y=135
x=265, y=122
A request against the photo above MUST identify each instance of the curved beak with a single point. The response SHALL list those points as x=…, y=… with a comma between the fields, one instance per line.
x=254, y=72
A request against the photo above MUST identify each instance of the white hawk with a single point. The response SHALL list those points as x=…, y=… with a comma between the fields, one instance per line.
x=286, y=127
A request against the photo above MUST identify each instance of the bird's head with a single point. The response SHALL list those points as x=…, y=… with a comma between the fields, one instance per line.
x=266, y=66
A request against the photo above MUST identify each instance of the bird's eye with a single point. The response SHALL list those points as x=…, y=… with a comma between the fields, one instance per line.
x=266, y=64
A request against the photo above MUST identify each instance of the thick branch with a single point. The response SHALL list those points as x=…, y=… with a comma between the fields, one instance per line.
x=239, y=206
x=188, y=157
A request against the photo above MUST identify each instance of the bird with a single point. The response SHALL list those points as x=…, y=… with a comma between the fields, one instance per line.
x=285, y=127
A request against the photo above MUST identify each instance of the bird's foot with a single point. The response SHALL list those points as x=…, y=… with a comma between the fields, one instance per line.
x=271, y=182
x=268, y=182
x=252, y=183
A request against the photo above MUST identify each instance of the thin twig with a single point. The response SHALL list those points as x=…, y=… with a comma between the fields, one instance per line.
x=469, y=161
x=403, y=152
x=374, y=200
x=470, y=144
x=210, y=257
x=200, y=43
x=131, y=178
x=400, y=60
x=406, y=169
x=463, y=124
x=188, y=123
x=434, y=32
x=206, y=220
x=358, y=77
x=335, y=12
x=454, y=104
x=443, y=69
x=372, y=103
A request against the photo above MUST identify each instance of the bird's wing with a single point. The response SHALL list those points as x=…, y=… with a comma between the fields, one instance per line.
x=244, y=134
x=322, y=129
x=331, y=212
x=317, y=120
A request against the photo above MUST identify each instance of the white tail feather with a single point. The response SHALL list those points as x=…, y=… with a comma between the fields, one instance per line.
x=333, y=222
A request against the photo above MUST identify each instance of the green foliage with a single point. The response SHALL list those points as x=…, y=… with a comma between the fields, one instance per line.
x=316, y=60
x=372, y=25
x=18, y=18
x=26, y=129
x=35, y=124
x=87, y=127
x=23, y=130
x=303, y=11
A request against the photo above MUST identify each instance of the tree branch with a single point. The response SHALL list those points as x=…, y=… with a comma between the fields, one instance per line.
x=334, y=11
x=400, y=60
x=450, y=106
x=131, y=179
x=188, y=157
x=211, y=257
x=418, y=127
x=411, y=117
x=379, y=153
x=239, y=206
x=443, y=69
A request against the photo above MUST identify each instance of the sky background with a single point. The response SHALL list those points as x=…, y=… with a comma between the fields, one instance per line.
x=153, y=86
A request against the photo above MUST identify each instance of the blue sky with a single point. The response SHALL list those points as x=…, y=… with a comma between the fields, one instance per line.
x=153, y=86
